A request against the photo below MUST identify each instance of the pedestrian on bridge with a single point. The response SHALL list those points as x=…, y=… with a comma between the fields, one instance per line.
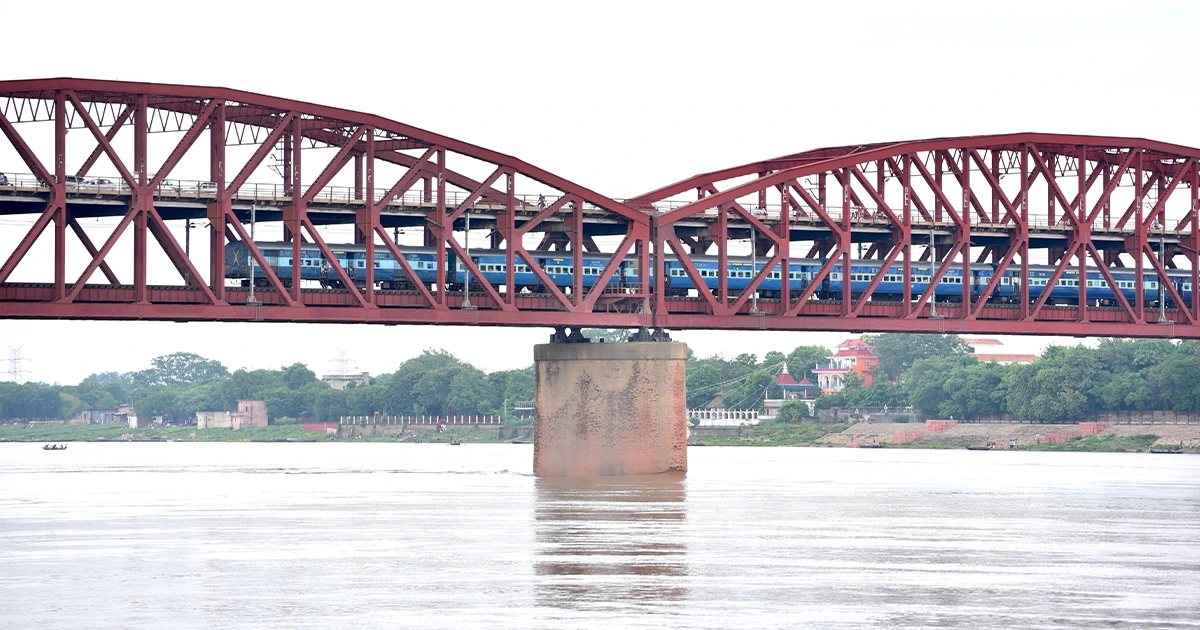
x=3, y=179
x=541, y=201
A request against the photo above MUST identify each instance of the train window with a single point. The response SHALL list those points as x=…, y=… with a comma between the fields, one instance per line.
x=376, y=264
x=835, y=276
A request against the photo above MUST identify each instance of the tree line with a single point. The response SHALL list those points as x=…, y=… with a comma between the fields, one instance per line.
x=931, y=373
x=178, y=385
x=1065, y=384
x=937, y=377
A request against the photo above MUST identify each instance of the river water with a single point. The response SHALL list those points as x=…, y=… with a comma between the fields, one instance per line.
x=432, y=536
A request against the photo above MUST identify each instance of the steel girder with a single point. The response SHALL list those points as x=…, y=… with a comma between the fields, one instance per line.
x=1109, y=202
x=290, y=128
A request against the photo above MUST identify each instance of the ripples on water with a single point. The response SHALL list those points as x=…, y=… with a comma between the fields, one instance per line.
x=382, y=535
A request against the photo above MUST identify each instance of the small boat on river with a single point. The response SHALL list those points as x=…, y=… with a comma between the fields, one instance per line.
x=54, y=447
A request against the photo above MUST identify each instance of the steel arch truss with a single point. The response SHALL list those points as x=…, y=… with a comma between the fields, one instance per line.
x=402, y=175
x=1001, y=203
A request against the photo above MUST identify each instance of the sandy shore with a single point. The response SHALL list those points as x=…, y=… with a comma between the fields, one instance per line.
x=1002, y=434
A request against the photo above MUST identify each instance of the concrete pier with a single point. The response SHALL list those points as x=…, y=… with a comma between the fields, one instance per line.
x=610, y=409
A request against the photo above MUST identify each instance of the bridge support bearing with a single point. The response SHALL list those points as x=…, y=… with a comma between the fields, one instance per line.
x=610, y=409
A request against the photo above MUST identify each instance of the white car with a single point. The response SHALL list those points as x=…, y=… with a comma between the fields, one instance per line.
x=99, y=184
x=200, y=188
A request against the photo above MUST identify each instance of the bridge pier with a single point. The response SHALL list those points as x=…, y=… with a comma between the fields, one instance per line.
x=610, y=409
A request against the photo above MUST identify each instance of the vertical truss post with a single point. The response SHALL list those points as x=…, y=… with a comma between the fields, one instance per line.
x=1024, y=231
x=508, y=228
x=967, y=280
x=722, y=240
x=294, y=213
x=577, y=253
x=358, y=173
x=643, y=258
x=219, y=208
x=1048, y=159
x=906, y=178
x=785, y=250
x=938, y=169
x=1192, y=255
x=141, y=197
x=1139, y=238
x=369, y=208
x=847, y=242
x=1107, y=198
x=439, y=227
x=1082, y=233
x=995, y=190
x=58, y=198
x=660, y=301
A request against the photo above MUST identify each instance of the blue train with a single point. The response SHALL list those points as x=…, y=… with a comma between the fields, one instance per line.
x=389, y=274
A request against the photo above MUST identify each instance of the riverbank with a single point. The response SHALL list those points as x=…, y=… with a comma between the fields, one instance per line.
x=1040, y=437
x=1034, y=437
x=47, y=433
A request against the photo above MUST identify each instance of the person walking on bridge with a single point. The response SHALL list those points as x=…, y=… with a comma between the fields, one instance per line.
x=3, y=180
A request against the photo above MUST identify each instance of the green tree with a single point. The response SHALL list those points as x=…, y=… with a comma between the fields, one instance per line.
x=802, y=360
x=331, y=404
x=793, y=411
x=157, y=401
x=180, y=368
x=703, y=384
x=30, y=401
x=297, y=375
x=898, y=352
x=249, y=385
x=1056, y=388
x=750, y=393
x=1179, y=376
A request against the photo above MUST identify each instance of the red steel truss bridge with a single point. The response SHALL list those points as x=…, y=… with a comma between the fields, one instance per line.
x=1022, y=233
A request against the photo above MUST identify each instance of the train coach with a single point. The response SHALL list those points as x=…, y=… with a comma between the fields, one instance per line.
x=559, y=269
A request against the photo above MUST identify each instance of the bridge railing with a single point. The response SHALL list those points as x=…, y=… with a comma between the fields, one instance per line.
x=347, y=195
x=251, y=191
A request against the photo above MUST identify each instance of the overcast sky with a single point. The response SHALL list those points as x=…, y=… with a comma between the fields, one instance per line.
x=621, y=97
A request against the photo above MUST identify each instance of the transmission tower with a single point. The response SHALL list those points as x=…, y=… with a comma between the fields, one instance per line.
x=343, y=361
x=15, y=370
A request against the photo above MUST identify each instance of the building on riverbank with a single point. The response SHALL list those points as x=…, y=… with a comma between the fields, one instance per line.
x=250, y=413
x=342, y=381
x=213, y=420
x=852, y=356
x=993, y=350
x=96, y=416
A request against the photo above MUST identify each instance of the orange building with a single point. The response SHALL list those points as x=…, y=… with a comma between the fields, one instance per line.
x=852, y=355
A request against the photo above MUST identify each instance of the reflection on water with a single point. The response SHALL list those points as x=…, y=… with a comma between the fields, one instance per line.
x=610, y=542
x=330, y=536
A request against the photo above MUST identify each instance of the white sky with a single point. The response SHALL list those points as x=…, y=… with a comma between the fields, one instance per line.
x=621, y=97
